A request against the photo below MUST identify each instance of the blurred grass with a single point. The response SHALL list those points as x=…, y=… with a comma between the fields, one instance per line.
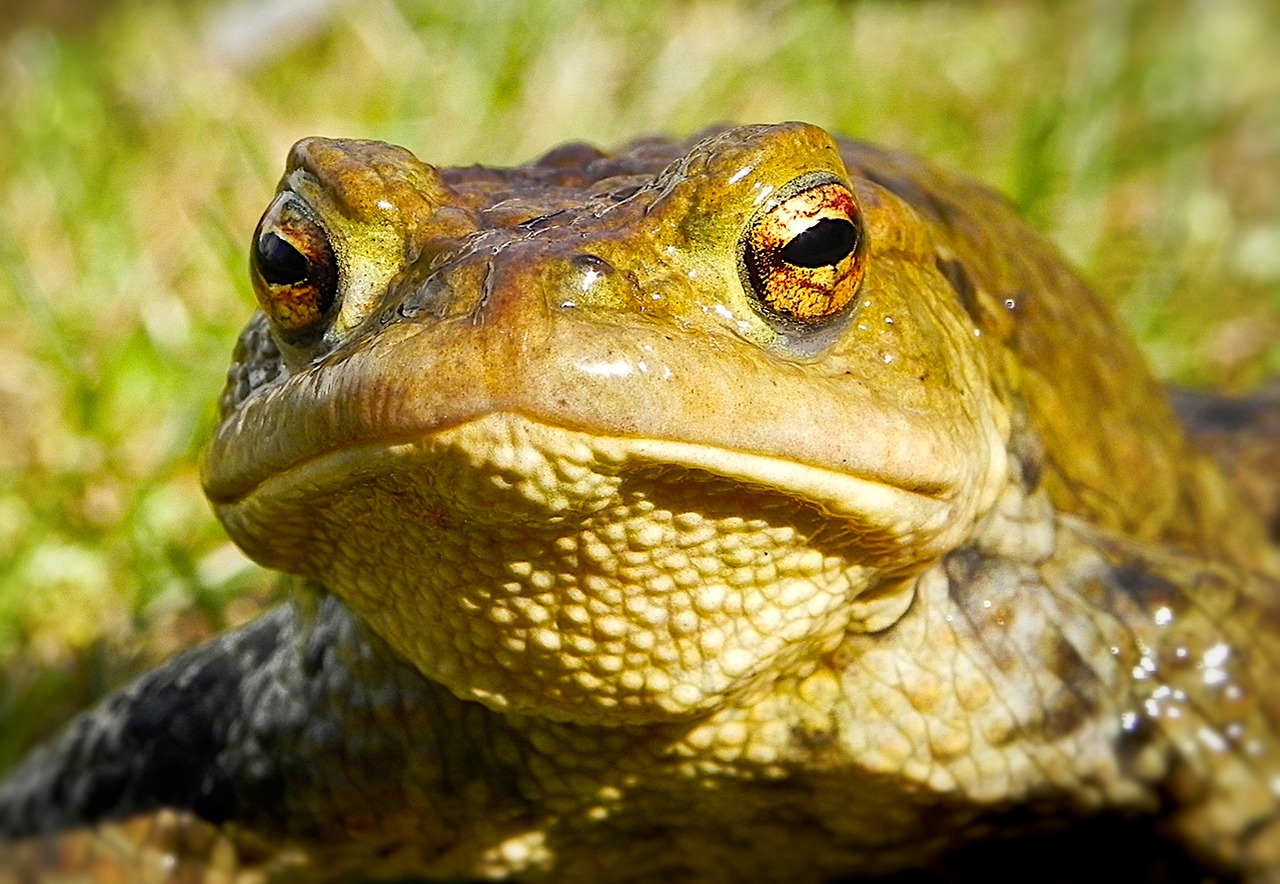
x=141, y=146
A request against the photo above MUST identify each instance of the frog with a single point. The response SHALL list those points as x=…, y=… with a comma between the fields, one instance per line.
x=762, y=505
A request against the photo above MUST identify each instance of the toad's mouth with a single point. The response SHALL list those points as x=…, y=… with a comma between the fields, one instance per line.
x=508, y=468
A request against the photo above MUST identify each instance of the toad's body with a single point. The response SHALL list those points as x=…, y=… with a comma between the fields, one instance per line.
x=760, y=508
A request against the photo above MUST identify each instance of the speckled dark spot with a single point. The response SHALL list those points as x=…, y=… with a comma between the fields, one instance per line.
x=991, y=592
x=959, y=280
x=963, y=566
x=1147, y=588
x=1028, y=448
x=983, y=586
x=1078, y=701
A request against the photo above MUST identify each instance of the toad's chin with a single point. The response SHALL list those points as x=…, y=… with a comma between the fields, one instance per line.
x=601, y=581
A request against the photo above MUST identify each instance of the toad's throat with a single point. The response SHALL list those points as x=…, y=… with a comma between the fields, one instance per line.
x=589, y=579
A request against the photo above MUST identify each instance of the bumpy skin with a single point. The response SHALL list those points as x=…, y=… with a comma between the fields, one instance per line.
x=620, y=572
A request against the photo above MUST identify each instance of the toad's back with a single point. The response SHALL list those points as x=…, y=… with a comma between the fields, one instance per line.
x=758, y=507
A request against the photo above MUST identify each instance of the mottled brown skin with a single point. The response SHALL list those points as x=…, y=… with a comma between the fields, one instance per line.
x=644, y=544
x=1242, y=433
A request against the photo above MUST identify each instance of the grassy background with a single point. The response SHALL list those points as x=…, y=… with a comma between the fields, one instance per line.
x=141, y=141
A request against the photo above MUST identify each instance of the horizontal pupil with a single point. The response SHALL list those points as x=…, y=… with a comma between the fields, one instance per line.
x=279, y=262
x=825, y=243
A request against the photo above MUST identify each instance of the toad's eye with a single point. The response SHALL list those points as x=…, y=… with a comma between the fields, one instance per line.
x=803, y=257
x=295, y=274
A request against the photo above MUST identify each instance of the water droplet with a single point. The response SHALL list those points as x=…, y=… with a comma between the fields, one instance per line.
x=1217, y=655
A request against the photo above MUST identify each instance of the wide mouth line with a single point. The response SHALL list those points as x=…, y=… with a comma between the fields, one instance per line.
x=817, y=483
x=241, y=491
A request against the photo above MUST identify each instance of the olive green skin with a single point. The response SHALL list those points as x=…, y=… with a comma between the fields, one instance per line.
x=616, y=573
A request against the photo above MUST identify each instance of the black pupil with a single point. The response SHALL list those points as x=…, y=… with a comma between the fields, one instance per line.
x=279, y=262
x=825, y=243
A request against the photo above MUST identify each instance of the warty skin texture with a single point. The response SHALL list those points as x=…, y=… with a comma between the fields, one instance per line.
x=618, y=571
